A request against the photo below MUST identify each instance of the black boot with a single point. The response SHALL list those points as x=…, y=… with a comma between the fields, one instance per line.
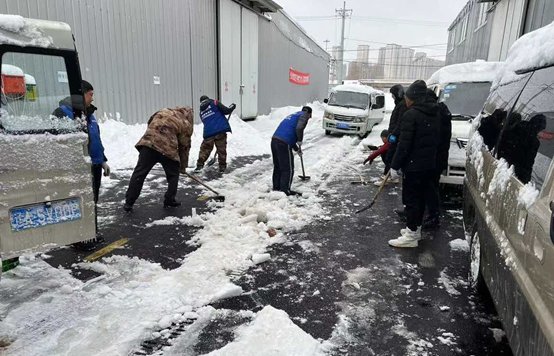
x=172, y=204
x=431, y=222
x=128, y=207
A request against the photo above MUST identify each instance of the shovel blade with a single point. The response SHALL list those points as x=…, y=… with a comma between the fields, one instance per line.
x=304, y=177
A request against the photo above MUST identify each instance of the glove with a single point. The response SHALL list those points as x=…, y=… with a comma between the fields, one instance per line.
x=368, y=160
x=394, y=174
x=299, y=151
x=392, y=138
x=372, y=147
x=232, y=106
x=106, y=169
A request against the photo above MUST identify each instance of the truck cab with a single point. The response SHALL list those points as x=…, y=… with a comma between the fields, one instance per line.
x=45, y=170
x=353, y=109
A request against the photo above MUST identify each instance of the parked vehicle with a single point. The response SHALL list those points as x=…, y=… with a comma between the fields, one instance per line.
x=463, y=87
x=44, y=165
x=353, y=109
x=509, y=195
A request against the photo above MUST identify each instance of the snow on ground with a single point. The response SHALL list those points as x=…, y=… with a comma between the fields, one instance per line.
x=132, y=298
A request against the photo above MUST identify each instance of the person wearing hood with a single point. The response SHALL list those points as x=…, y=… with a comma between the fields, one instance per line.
x=216, y=126
x=95, y=146
x=397, y=92
x=288, y=137
x=416, y=155
x=166, y=141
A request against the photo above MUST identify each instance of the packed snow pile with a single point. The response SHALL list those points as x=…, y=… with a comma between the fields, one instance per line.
x=357, y=88
x=530, y=51
x=479, y=71
x=528, y=195
x=8, y=69
x=16, y=30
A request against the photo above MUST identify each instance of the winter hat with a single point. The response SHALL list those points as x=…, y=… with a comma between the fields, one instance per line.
x=417, y=90
x=385, y=133
x=307, y=109
x=203, y=97
x=397, y=91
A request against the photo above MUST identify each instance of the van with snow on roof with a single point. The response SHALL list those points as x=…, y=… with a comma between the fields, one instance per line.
x=463, y=87
x=353, y=109
x=45, y=177
x=509, y=194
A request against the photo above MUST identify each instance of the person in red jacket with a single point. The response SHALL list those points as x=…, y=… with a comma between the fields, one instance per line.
x=381, y=151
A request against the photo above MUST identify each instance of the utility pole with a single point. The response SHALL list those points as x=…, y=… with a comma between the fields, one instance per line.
x=343, y=13
x=326, y=42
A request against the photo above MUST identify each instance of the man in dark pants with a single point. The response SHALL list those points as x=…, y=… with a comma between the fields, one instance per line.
x=416, y=155
x=288, y=137
x=216, y=126
x=166, y=141
x=433, y=193
x=95, y=147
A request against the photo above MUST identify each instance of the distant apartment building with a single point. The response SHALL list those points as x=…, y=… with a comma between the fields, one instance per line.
x=485, y=29
x=396, y=61
x=423, y=67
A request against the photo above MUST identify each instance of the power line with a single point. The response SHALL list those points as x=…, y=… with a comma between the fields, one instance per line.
x=403, y=46
x=377, y=19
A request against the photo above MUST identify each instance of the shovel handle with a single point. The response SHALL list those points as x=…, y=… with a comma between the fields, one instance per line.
x=200, y=182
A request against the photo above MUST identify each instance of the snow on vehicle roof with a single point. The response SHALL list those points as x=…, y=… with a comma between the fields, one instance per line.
x=357, y=88
x=531, y=51
x=20, y=31
x=479, y=71
x=8, y=69
x=29, y=79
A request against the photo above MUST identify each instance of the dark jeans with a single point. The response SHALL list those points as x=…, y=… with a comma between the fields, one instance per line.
x=432, y=195
x=96, y=170
x=147, y=159
x=414, y=189
x=283, y=165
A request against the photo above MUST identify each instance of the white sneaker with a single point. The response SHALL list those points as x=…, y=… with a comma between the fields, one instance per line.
x=407, y=239
x=407, y=230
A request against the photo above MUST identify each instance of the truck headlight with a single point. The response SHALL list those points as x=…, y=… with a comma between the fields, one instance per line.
x=358, y=119
x=328, y=115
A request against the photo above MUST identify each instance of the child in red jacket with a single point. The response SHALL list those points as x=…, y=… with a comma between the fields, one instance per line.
x=381, y=151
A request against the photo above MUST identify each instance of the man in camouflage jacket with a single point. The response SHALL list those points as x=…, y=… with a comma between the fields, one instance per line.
x=166, y=141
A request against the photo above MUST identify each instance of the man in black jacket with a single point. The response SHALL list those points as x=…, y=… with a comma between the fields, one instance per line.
x=416, y=155
x=433, y=195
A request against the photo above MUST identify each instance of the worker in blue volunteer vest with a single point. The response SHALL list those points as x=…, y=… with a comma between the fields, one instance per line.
x=288, y=137
x=216, y=126
x=95, y=147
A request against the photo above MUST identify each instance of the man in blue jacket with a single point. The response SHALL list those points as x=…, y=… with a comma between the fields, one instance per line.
x=288, y=137
x=95, y=147
x=216, y=126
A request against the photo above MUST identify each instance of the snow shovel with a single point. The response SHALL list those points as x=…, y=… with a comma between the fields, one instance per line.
x=217, y=197
x=383, y=183
x=303, y=176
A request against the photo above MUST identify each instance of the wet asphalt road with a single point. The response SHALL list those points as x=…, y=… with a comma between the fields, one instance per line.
x=337, y=278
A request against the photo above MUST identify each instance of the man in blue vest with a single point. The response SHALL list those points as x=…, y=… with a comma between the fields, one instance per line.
x=288, y=137
x=95, y=147
x=216, y=126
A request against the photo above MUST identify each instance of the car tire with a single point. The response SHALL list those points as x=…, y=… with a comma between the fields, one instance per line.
x=364, y=135
x=476, y=278
x=327, y=133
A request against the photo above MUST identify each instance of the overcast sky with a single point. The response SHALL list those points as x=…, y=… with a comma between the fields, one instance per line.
x=405, y=22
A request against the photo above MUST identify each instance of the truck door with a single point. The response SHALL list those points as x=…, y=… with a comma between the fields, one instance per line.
x=45, y=177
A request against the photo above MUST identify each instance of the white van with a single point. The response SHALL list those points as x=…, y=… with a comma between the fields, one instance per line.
x=353, y=109
x=464, y=88
x=45, y=177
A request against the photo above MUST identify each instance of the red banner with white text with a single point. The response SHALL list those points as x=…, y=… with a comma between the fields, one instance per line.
x=299, y=78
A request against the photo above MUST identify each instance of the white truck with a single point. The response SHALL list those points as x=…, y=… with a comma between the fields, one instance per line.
x=353, y=109
x=464, y=88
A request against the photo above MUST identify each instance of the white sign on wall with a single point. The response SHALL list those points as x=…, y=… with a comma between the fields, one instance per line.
x=157, y=80
x=62, y=77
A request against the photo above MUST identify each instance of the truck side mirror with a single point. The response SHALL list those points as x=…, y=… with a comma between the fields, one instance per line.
x=325, y=100
x=375, y=106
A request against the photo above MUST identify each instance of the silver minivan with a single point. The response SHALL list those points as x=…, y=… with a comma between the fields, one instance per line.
x=509, y=200
x=45, y=179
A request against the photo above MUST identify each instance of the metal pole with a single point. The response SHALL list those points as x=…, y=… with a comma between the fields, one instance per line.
x=343, y=13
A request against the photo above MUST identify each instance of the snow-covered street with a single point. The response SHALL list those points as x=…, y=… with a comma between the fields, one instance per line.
x=210, y=277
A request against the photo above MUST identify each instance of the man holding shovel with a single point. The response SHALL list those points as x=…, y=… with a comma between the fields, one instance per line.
x=216, y=126
x=288, y=137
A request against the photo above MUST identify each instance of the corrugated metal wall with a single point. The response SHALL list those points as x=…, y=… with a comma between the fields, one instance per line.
x=281, y=46
x=124, y=44
x=540, y=13
x=476, y=44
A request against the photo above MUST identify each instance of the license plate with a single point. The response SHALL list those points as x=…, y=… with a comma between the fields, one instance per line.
x=38, y=215
x=342, y=125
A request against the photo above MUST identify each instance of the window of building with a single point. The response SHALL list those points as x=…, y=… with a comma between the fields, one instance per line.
x=463, y=30
x=452, y=38
x=482, y=18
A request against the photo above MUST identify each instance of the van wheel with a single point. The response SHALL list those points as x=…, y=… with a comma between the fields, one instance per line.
x=364, y=135
x=476, y=270
x=327, y=132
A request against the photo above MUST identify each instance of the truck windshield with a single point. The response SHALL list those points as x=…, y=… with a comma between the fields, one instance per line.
x=349, y=99
x=465, y=100
x=35, y=95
